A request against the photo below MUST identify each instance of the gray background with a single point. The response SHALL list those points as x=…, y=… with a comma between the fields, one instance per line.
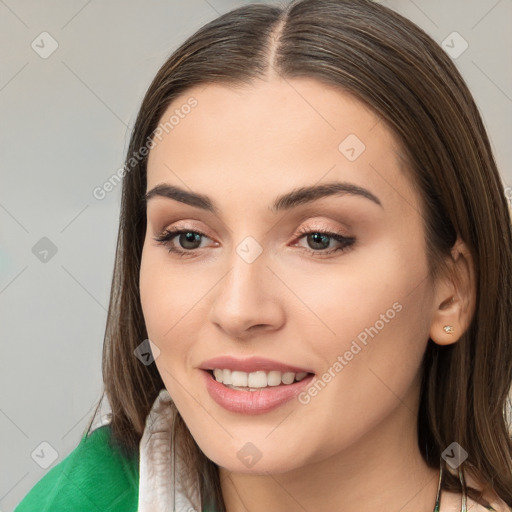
x=65, y=127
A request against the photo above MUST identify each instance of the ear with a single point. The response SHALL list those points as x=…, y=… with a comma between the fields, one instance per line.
x=454, y=297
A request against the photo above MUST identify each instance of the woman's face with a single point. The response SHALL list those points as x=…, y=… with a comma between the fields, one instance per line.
x=255, y=278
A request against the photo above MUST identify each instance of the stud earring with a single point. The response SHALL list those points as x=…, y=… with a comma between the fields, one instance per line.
x=448, y=329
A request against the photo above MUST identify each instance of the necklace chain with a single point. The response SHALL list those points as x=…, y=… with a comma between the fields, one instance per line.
x=463, y=506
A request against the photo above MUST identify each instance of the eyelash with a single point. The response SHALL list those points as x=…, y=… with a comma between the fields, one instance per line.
x=166, y=237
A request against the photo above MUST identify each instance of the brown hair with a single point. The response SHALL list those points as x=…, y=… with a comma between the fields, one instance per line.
x=395, y=68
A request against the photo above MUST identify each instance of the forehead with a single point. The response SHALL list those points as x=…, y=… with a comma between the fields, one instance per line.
x=262, y=139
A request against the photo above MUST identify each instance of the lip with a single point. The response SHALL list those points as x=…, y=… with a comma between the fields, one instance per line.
x=251, y=364
x=253, y=402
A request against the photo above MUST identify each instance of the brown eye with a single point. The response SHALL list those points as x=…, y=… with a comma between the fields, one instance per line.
x=188, y=240
x=319, y=241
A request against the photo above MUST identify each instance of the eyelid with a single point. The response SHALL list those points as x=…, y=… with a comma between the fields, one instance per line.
x=190, y=225
x=321, y=225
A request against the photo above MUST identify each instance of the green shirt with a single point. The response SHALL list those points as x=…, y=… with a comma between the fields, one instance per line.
x=93, y=477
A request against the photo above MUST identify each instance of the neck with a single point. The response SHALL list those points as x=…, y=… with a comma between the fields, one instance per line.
x=382, y=470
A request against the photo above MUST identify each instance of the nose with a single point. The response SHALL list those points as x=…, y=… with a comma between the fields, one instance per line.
x=248, y=299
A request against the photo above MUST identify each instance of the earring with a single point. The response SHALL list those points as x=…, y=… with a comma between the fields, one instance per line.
x=448, y=329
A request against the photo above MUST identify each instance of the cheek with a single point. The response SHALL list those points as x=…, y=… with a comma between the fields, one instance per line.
x=153, y=297
x=167, y=294
x=166, y=297
x=374, y=331
x=381, y=287
x=372, y=312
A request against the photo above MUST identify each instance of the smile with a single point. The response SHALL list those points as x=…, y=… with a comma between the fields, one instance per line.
x=252, y=399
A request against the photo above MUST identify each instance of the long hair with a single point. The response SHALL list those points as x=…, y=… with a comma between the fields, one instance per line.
x=402, y=75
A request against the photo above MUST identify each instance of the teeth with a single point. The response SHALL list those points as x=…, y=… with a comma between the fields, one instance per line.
x=274, y=378
x=288, y=377
x=258, y=379
x=238, y=378
x=226, y=376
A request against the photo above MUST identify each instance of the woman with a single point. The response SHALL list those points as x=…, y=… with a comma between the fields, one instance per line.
x=310, y=307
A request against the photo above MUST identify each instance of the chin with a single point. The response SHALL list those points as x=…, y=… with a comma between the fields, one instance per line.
x=249, y=459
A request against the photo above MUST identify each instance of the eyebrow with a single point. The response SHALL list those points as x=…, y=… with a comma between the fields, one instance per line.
x=296, y=197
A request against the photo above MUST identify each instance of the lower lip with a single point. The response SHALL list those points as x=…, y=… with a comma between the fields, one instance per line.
x=253, y=402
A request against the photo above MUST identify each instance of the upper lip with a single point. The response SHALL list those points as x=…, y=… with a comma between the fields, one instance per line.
x=250, y=364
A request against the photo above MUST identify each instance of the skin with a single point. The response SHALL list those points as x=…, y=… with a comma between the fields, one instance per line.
x=353, y=447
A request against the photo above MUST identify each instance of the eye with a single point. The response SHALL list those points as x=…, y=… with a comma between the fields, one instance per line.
x=189, y=239
x=320, y=240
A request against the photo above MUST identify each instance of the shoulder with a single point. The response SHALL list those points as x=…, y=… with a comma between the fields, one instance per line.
x=94, y=476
